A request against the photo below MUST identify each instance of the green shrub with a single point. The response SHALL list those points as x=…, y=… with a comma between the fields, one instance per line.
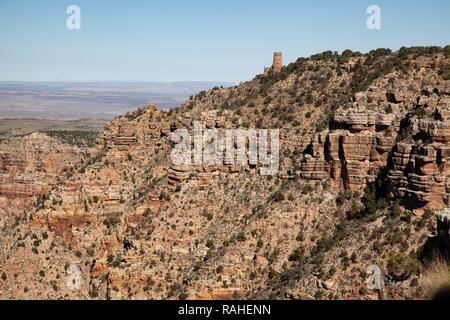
x=74, y=138
x=340, y=199
x=370, y=199
x=298, y=255
x=183, y=296
x=241, y=237
x=278, y=196
x=402, y=266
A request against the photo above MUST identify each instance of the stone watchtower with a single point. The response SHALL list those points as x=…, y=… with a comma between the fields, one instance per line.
x=276, y=66
x=277, y=62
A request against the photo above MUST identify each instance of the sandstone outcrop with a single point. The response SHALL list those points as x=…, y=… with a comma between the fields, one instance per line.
x=30, y=165
x=141, y=227
x=364, y=142
x=353, y=154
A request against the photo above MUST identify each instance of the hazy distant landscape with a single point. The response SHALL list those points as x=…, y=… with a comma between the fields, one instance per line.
x=96, y=100
x=20, y=127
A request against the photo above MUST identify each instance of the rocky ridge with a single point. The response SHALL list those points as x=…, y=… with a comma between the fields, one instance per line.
x=140, y=227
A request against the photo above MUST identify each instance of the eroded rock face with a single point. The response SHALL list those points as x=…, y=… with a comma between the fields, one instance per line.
x=437, y=131
x=354, y=153
x=420, y=174
x=353, y=160
x=142, y=227
x=30, y=165
x=356, y=120
x=439, y=242
x=364, y=142
x=420, y=169
x=122, y=141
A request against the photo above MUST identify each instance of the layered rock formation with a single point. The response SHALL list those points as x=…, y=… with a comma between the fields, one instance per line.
x=366, y=140
x=30, y=166
x=140, y=226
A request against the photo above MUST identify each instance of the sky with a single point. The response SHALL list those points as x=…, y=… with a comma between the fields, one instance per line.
x=198, y=40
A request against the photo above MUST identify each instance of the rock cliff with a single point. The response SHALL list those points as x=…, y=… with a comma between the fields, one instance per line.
x=363, y=167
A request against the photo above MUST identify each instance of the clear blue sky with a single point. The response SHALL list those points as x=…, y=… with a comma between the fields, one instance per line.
x=198, y=40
